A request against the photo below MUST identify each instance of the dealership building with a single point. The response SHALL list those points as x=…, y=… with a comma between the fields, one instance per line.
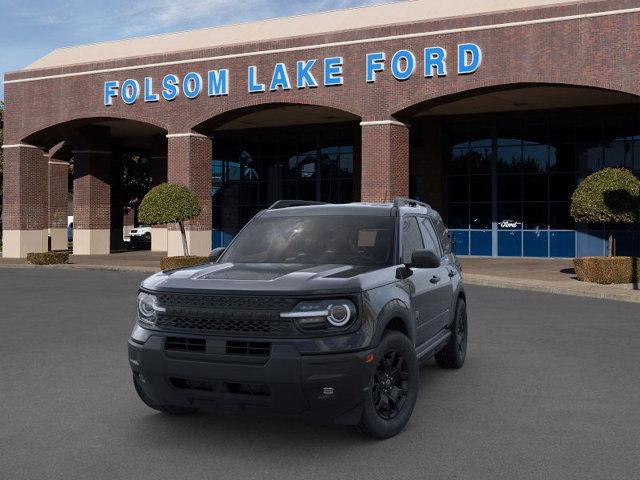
x=490, y=110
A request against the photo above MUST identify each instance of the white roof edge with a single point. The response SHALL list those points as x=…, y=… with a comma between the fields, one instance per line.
x=331, y=21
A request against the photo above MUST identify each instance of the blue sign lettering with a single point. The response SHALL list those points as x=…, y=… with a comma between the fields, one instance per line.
x=280, y=78
x=149, y=96
x=304, y=77
x=218, y=82
x=333, y=71
x=170, y=86
x=434, y=59
x=130, y=91
x=254, y=87
x=375, y=63
x=469, y=58
x=402, y=66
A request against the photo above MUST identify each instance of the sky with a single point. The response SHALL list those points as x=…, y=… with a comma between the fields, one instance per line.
x=29, y=29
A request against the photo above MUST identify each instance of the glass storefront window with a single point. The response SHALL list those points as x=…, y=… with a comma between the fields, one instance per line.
x=509, y=215
x=481, y=188
x=458, y=215
x=619, y=154
x=562, y=157
x=509, y=187
x=535, y=188
x=535, y=216
x=459, y=161
x=535, y=158
x=480, y=159
x=254, y=168
x=559, y=217
x=510, y=158
x=534, y=161
x=480, y=216
x=458, y=189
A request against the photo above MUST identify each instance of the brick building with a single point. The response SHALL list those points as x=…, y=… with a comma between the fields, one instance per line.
x=490, y=110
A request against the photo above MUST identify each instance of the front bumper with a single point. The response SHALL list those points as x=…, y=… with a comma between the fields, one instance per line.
x=286, y=382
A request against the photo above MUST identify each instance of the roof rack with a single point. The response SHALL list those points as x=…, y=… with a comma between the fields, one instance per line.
x=407, y=202
x=293, y=203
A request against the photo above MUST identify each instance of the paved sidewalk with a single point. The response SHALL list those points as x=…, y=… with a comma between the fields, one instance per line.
x=137, y=261
x=538, y=275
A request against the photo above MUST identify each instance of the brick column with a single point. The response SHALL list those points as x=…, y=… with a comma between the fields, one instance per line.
x=25, y=212
x=385, y=160
x=58, y=191
x=189, y=164
x=92, y=192
x=159, y=175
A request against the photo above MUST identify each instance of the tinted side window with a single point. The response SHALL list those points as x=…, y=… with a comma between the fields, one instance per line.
x=411, y=238
x=429, y=236
x=442, y=233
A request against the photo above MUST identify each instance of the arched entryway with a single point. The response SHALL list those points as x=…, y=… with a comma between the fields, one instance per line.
x=501, y=164
x=266, y=153
x=110, y=162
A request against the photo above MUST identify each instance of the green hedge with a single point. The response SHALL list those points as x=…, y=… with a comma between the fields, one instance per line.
x=170, y=263
x=48, y=258
x=607, y=270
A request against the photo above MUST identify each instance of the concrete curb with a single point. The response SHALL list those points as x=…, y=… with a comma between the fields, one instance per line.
x=75, y=266
x=604, y=292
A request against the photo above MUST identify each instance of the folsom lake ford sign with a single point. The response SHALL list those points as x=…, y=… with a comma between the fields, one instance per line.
x=309, y=73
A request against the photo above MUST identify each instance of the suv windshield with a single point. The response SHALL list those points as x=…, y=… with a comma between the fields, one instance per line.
x=319, y=239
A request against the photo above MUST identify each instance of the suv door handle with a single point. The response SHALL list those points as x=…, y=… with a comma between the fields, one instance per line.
x=435, y=279
x=452, y=273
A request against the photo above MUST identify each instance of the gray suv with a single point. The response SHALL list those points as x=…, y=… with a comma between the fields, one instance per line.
x=319, y=310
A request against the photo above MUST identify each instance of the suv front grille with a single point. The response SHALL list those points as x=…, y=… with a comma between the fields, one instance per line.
x=226, y=315
x=226, y=302
x=259, y=349
x=186, y=344
x=259, y=390
x=225, y=326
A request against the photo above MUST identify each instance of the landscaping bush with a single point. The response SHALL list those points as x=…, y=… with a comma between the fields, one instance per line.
x=170, y=263
x=48, y=258
x=609, y=196
x=170, y=203
x=607, y=270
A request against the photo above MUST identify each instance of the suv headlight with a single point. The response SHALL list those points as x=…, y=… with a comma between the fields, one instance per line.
x=148, y=309
x=323, y=314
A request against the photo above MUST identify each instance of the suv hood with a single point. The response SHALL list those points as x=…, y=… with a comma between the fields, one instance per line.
x=269, y=278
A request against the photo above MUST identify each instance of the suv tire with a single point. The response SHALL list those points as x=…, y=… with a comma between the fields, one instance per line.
x=393, y=387
x=169, y=409
x=455, y=351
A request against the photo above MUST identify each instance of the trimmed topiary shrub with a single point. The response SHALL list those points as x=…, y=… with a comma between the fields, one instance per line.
x=607, y=270
x=170, y=203
x=171, y=263
x=48, y=258
x=611, y=195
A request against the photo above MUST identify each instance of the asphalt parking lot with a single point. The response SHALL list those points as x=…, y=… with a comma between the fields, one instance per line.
x=550, y=390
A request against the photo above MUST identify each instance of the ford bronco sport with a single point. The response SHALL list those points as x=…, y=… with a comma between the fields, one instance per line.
x=313, y=309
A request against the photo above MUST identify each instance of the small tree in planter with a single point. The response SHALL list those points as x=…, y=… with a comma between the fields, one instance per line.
x=170, y=203
x=611, y=195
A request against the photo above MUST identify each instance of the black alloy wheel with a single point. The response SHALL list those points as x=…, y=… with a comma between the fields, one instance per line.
x=390, y=385
x=393, y=387
x=455, y=351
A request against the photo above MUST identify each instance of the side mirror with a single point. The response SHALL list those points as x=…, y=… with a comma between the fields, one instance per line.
x=425, y=259
x=215, y=254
